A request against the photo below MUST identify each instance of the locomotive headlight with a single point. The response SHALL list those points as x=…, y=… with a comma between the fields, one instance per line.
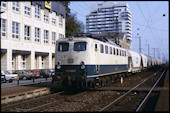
x=58, y=65
x=82, y=65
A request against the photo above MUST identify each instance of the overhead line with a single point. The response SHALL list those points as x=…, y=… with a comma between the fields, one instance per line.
x=146, y=22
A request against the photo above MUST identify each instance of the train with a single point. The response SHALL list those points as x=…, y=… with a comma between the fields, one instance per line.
x=87, y=62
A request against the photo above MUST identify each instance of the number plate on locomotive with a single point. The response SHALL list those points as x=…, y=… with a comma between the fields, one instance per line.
x=71, y=71
x=70, y=60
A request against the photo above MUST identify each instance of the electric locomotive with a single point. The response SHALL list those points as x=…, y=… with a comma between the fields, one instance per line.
x=81, y=61
x=86, y=62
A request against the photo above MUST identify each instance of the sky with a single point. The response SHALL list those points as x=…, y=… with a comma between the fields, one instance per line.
x=148, y=22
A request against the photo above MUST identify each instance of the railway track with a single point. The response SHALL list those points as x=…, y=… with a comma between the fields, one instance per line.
x=120, y=103
x=86, y=101
x=43, y=102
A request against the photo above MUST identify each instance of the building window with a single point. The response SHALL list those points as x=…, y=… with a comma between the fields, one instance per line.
x=3, y=4
x=15, y=30
x=3, y=27
x=45, y=18
x=23, y=61
x=45, y=36
x=27, y=10
x=37, y=34
x=15, y=6
x=27, y=32
x=60, y=20
x=53, y=37
x=37, y=11
x=61, y=36
x=53, y=21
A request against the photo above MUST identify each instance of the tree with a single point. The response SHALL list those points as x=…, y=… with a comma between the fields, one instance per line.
x=73, y=26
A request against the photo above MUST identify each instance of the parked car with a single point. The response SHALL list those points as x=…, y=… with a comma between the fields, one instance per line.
x=36, y=73
x=43, y=73
x=51, y=72
x=25, y=75
x=7, y=76
x=2, y=78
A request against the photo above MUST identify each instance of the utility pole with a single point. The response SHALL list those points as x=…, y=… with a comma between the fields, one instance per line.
x=139, y=42
x=117, y=30
x=154, y=51
x=148, y=49
x=158, y=53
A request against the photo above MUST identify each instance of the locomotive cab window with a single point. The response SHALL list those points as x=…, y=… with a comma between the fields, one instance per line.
x=63, y=46
x=80, y=46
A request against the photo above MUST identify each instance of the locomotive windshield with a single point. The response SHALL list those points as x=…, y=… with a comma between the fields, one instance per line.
x=80, y=46
x=63, y=46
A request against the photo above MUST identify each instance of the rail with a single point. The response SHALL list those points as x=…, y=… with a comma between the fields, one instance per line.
x=142, y=103
x=24, y=103
x=114, y=102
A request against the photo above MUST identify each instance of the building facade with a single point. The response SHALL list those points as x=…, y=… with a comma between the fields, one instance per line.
x=109, y=17
x=29, y=31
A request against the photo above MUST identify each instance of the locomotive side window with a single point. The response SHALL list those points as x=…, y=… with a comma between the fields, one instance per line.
x=96, y=47
x=80, y=46
x=106, y=49
x=120, y=52
x=114, y=52
x=63, y=46
x=110, y=50
x=101, y=48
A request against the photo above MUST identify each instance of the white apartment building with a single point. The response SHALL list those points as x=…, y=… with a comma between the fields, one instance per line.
x=110, y=17
x=29, y=31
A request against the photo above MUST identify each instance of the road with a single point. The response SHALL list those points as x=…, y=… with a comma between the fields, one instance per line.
x=25, y=82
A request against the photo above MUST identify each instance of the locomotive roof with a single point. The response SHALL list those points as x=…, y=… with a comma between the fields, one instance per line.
x=102, y=39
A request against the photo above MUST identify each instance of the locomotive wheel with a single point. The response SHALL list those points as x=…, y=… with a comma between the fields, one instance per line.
x=92, y=84
x=83, y=84
x=103, y=82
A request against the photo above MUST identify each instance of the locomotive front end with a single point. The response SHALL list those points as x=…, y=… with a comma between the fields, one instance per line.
x=70, y=62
